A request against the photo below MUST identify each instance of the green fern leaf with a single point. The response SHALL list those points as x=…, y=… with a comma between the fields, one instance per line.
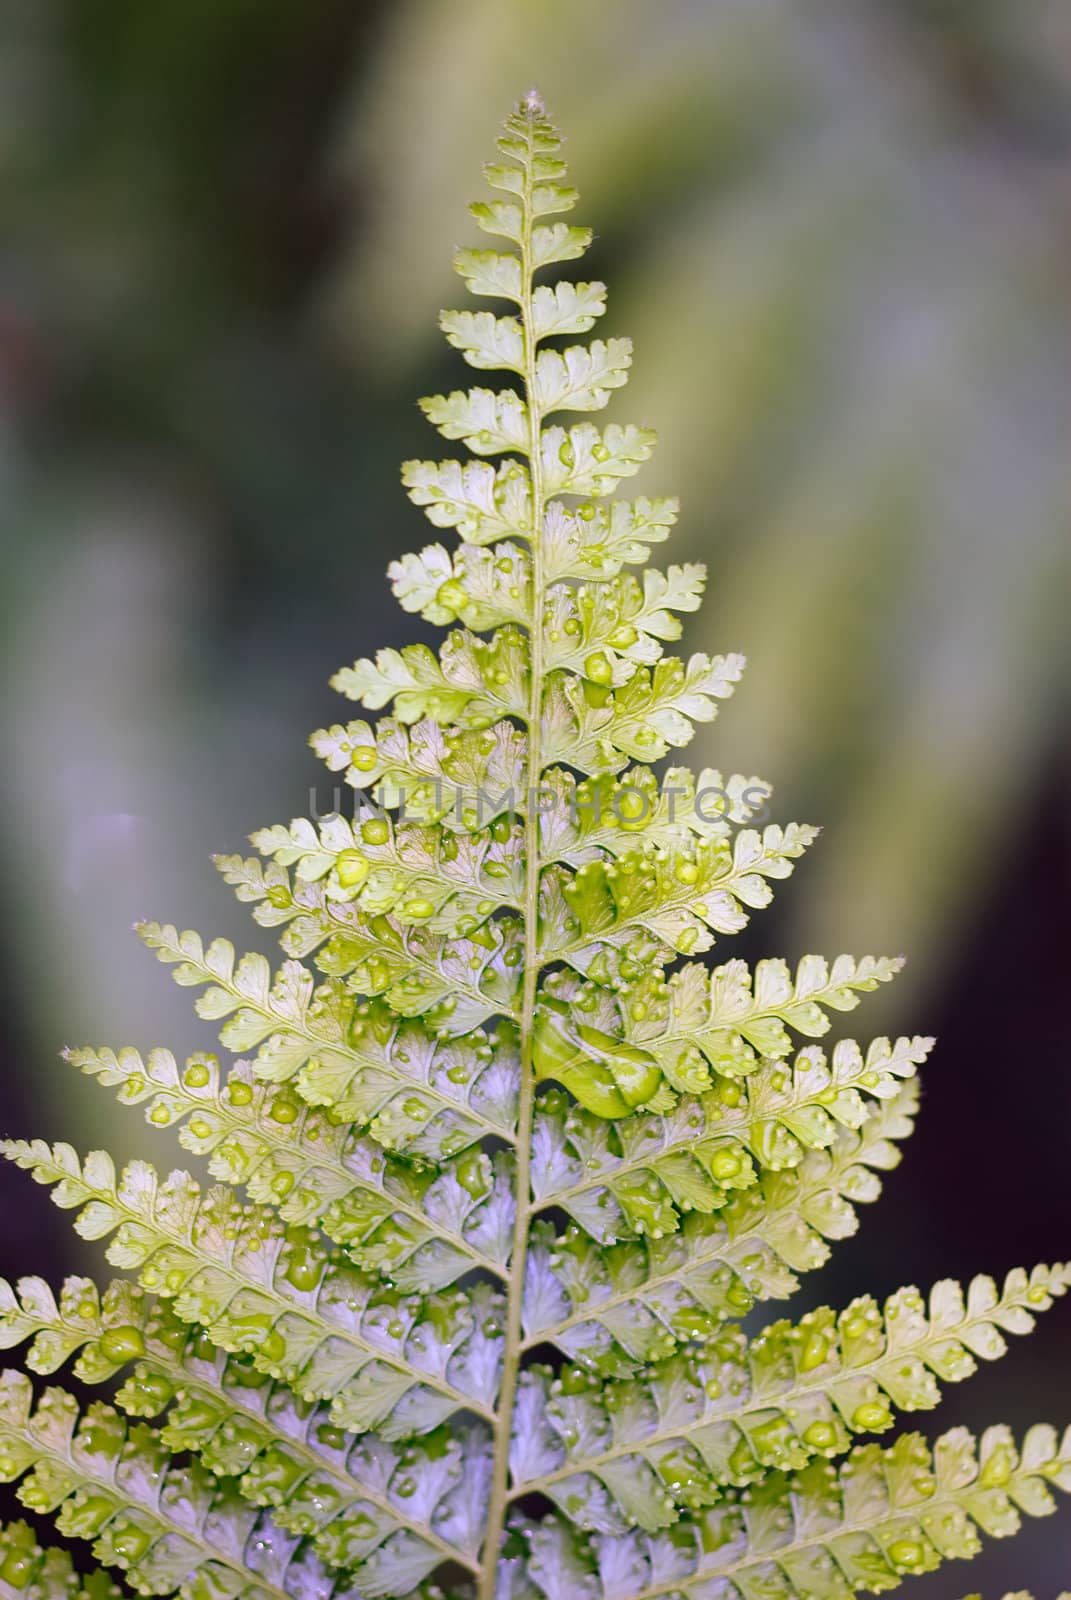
x=397, y=1362
x=886, y=1515
x=30, y=1571
x=167, y=1528
x=422, y=1229
x=616, y=1308
x=645, y=1174
x=452, y=882
x=282, y=1451
x=672, y=1440
x=499, y=1177
x=363, y=1056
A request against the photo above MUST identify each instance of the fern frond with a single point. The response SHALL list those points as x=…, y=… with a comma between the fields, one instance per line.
x=594, y=543
x=470, y=683
x=586, y=460
x=449, y=883
x=670, y=1441
x=399, y=1362
x=167, y=1528
x=727, y=1018
x=425, y=769
x=361, y=1059
x=644, y=1174
x=482, y=502
x=603, y=631
x=620, y=1307
x=823, y=1533
x=685, y=896
x=386, y=1513
x=282, y=1451
x=605, y=817
x=513, y=1173
x=486, y=421
x=655, y=710
x=454, y=984
x=484, y=340
x=481, y=586
x=422, y=1230
x=152, y=1525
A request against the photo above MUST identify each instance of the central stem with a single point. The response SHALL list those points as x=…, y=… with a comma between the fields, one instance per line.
x=514, y=1344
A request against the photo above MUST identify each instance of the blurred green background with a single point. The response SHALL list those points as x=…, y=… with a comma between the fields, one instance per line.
x=840, y=234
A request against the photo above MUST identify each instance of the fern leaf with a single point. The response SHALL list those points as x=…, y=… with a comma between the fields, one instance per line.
x=485, y=421
x=167, y=1528
x=686, y=896
x=654, y=710
x=596, y=541
x=586, y=460
x=425, y=770
x=417, y=874
x=513, y=1174
x=482, y=502
x=670, y=1441
x=581, y=377
x=886, y=1515
x=605, y=817
x=615, y=1309
x=341, y=1054
x=490, y=272
x=151, y=1525
x=484, y=340
x=456, y=985
x=724, y=1019
x=386, y=1513
x=481, y=586
x=281, y=1451
x=422, y=1230
x=470, y=683
x=603, y=631
x=398, y=1362
x=567, y=308
x=645, y=1174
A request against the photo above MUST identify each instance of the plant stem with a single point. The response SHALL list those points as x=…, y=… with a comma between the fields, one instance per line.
x=511, y=1358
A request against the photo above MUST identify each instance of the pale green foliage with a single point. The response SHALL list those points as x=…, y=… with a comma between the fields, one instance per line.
x=509, y=1175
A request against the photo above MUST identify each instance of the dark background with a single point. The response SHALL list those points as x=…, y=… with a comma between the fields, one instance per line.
x=841, y=237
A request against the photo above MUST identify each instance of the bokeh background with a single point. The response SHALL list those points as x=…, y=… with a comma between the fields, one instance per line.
x=840, y=235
